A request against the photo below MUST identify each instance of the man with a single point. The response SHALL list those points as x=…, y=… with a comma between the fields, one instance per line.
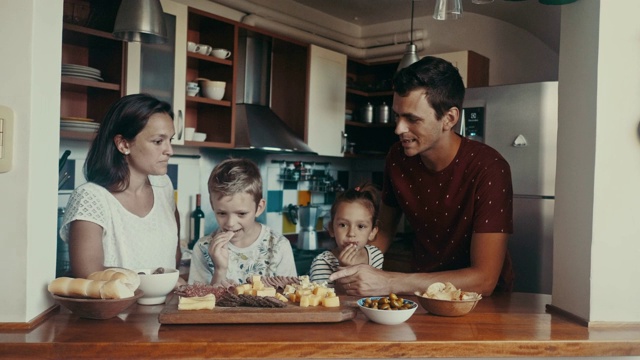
x=455, y=193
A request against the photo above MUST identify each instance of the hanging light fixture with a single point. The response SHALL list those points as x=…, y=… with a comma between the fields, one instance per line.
x=448, y=10
x=410, y=55
x=140, y=21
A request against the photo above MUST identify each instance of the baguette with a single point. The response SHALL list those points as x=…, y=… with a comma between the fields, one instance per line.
x=128, y=277
x=85, y=288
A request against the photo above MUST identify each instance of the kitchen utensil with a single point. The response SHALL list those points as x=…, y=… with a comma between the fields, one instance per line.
x=366, y=113
x=63, y=180
x=382, y=113
x=221, y=53
x=63, y=159
x=156, y=287
x=307, y=216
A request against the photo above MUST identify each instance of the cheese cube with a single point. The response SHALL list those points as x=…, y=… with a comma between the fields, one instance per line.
x=267, y=291
x=281, y=297
x=314, y=300
x=320, y=291
x=289, y=289
x=258, y=285
x=331, y=301
x=239, y=290
x=256, y=278
x=305, y=301
x=293, y=297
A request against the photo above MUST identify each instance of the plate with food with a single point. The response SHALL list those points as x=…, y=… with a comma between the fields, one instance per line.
x=260, y=300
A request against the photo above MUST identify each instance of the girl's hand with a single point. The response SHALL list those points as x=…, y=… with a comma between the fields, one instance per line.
x=219, y=251
x=349, y=255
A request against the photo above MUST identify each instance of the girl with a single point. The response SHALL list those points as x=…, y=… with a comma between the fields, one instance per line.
x=354, y=223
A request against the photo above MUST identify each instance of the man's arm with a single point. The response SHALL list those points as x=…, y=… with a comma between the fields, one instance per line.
x=487, y=257
x=388, y=224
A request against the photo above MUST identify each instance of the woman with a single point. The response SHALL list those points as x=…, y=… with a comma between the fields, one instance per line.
x=125, y=215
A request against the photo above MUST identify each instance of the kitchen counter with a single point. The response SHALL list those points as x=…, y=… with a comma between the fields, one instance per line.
x=505, y=325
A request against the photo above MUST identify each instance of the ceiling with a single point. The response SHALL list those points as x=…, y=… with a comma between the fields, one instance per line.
x=543, y=21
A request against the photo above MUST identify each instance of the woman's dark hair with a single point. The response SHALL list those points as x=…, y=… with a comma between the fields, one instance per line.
x=439, y=78
x=107, y=166
x=366, y=194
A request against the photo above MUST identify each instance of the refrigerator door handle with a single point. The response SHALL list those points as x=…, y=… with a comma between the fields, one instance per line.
x=525, y=196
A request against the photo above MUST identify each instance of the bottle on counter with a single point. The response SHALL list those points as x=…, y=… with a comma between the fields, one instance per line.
x=197, y=223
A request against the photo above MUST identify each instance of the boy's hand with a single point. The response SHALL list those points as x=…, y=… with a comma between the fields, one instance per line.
x=219, y=251
x=348, y=255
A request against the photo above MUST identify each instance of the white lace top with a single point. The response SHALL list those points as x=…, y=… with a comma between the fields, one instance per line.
x=128, y=240
x=269, y=255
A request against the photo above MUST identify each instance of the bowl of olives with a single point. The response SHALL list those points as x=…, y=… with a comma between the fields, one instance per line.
x=387, y=310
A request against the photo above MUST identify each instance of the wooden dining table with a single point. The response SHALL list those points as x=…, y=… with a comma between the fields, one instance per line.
x=502, y=325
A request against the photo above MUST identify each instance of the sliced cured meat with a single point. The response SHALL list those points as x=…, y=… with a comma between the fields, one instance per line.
x=200, y=289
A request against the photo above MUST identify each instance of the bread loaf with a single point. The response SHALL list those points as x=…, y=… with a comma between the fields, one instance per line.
x=128, y=277
x=85, y=288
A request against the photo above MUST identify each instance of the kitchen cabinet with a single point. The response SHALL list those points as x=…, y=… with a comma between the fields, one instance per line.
x=160, y=69
x=216, y=118
x=369, y=83
x=473, y=67
x=326, y=92
x=90, y=44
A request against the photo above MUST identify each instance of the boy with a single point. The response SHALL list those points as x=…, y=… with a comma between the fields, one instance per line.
x=241, y=246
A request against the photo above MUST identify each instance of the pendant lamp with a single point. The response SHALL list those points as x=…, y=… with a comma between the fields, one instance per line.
x=140, y=21
x=410, y=55
x=448, y=10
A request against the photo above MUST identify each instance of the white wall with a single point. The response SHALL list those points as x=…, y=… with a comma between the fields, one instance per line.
x=596, y=228
x=31, y=87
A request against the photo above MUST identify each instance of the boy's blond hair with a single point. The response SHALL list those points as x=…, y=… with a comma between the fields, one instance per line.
x=233, y=176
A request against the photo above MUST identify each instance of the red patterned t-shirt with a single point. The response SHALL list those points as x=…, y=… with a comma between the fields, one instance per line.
x=444, y=208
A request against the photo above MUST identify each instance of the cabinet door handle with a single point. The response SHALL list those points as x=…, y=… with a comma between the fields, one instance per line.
x=180, y=125
x=343, y=145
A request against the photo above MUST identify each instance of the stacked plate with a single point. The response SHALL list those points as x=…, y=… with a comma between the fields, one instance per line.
x=81, y=71
x=78, y=124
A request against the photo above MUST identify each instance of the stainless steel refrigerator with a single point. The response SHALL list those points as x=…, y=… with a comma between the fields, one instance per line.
x=521, y=122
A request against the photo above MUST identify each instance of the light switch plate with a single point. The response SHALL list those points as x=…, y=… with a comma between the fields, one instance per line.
x=6, y=138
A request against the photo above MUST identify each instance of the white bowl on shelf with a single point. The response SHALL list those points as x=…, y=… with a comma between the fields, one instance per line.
x=199, y=136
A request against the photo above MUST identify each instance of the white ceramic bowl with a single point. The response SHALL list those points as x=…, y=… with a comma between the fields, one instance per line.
x=387, y=317
x=199, y=136
x=193, y=91
x=156, y=287
x=212, y=89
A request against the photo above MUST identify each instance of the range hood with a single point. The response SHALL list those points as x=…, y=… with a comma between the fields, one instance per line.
x=257, y=126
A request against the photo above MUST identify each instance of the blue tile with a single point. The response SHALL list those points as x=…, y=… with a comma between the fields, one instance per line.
x=172, y=171
x=274, y=201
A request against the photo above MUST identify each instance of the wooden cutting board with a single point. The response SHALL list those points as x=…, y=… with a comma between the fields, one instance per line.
x=249, y=315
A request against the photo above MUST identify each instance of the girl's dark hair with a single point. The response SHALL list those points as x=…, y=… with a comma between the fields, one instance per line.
x=440, y=80
x=105, y=165
x=366, y=194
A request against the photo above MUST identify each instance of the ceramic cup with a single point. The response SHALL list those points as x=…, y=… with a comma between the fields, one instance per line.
x=192, y=85
x=193, y=91
x=188, y=133
x=221, y=53
x=204, y=49
x=191, y=46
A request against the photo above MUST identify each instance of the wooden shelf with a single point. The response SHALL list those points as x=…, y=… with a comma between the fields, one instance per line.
x=204, y=100
x=209, y=58
x=69, y=82
x=370, y=125
x=369, y=94
x=76, y=135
